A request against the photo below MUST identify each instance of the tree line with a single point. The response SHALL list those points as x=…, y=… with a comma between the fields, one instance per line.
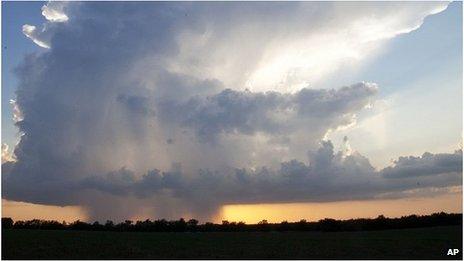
x=192, y=225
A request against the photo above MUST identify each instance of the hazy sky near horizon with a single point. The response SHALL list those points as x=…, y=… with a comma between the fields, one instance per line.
x=169, y=109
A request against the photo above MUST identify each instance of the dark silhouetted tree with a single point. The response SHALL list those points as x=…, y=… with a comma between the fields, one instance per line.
x=329, y=225
x=7, y=222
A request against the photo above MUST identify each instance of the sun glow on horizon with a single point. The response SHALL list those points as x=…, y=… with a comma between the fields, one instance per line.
x=276, y=213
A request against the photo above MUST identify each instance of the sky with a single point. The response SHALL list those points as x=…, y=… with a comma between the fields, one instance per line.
x=286, y=110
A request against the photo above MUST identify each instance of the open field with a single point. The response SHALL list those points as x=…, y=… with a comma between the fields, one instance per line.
x=420, y=243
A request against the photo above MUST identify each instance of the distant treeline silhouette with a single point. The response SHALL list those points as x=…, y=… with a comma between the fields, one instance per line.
x=192, y=225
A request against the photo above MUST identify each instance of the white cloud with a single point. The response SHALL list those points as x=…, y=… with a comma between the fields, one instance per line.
x=17, y=115
x=7, y=155
x=53, y=12
x=287, y=53
x=31, y=32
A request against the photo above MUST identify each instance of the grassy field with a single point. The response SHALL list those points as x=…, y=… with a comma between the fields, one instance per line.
x=422, y=243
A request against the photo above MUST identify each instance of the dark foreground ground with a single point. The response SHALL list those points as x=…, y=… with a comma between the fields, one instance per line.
x=419, y=243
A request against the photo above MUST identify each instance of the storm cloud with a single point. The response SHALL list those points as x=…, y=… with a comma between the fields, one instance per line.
x=169, y=106
x=427, y=164
x=246, y=112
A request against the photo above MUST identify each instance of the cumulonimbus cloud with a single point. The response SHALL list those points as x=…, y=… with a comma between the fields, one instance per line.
x=127, y=90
